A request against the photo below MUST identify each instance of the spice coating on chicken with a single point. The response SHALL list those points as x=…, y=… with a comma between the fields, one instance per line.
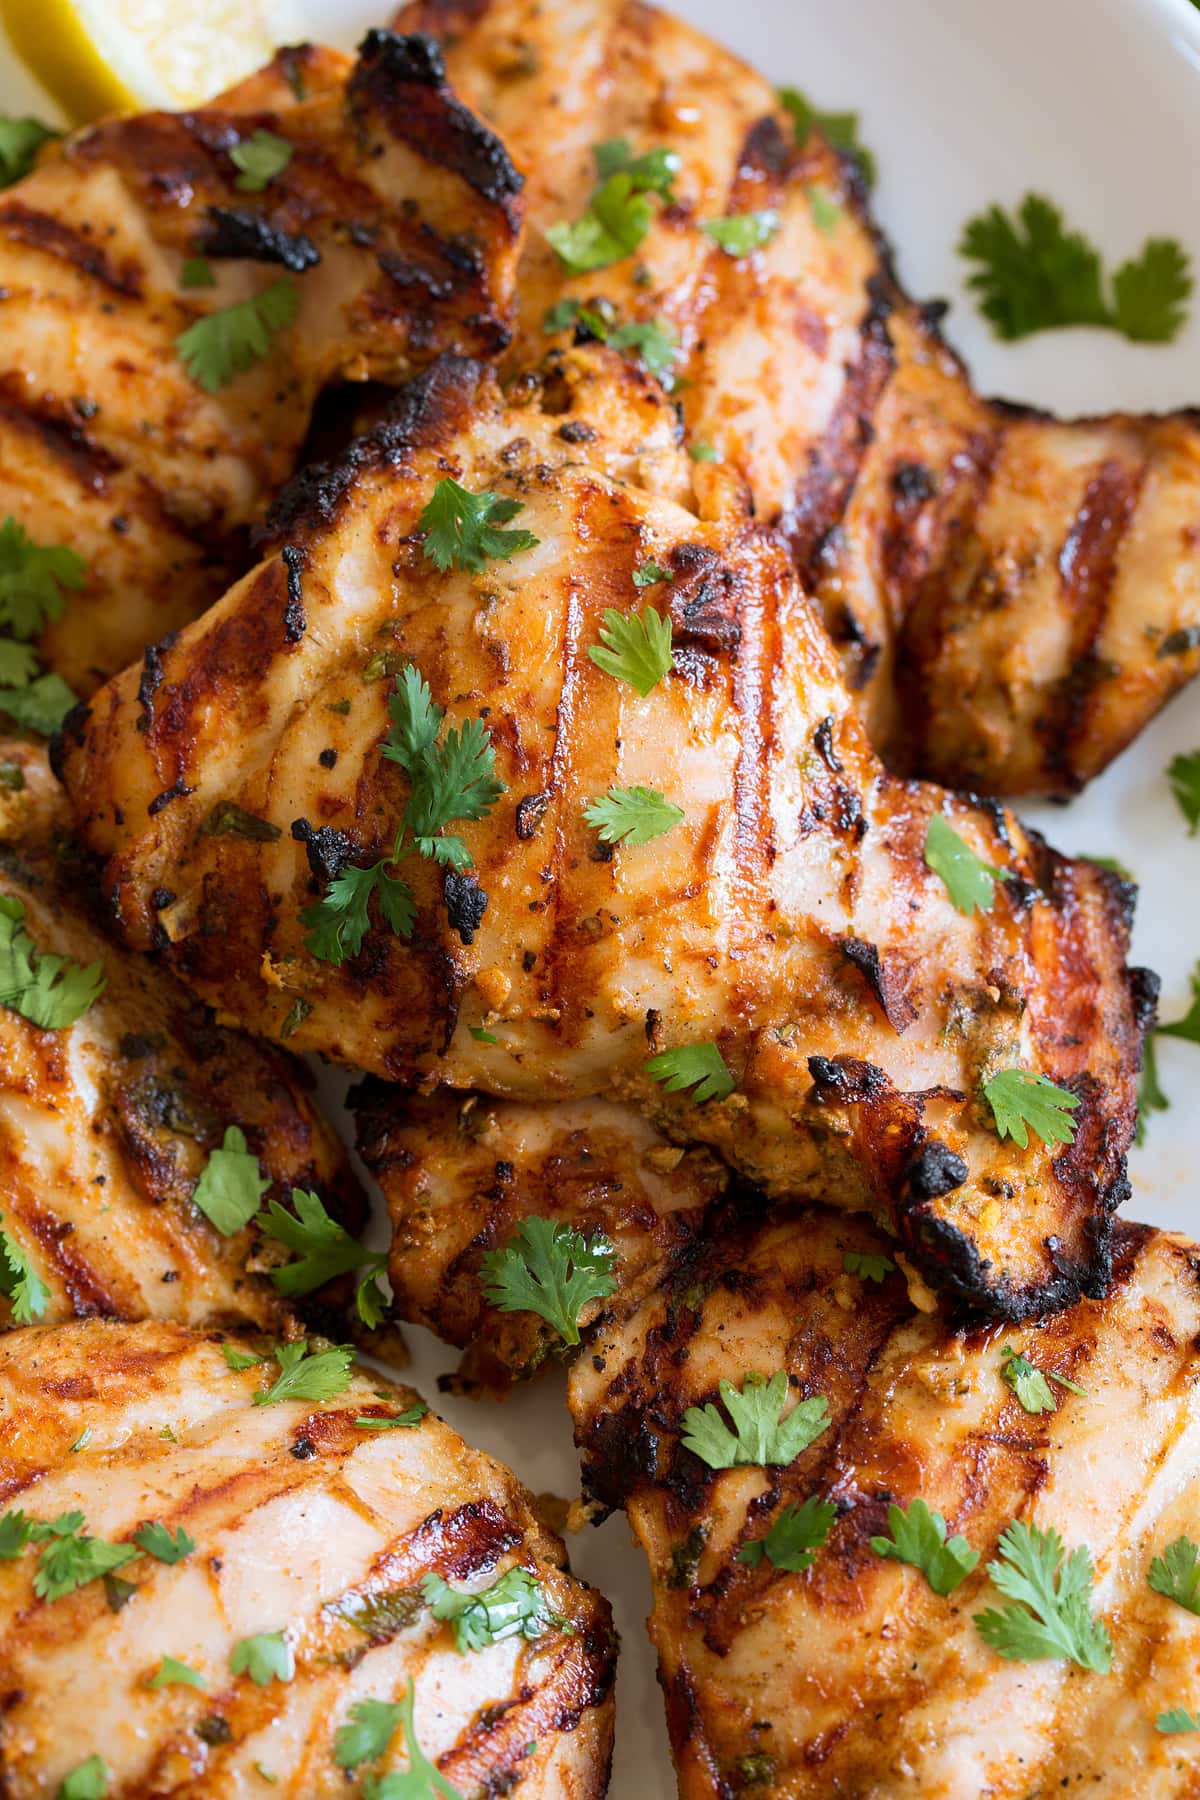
x=304, y=1521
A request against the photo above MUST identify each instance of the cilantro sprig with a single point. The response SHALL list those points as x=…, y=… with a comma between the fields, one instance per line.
x=551, y=1270
x=1030, y=1384
x=306, y=1374
x=1036, y=274
x=266, y=1657
x=40, y=705
x=49, y=991
x=867, y=1264
x=71, y=1558
x=632, y=815
x=230, y=1185
x=515, y=1605
x=619, y=212
x=654, y=343
x=20, y=1282
x=20, y=141
x=323, y=1249
x=794, y=1538
x=1049, y=1590
x=369, y=1728
x=918, y=1536
x=1177, y=1719
x=840, y=128
x=635, y=648
x=1183, y=774
x=225, y=343
x=1176, y=1573
x=969, y=880
x=449, y=780
x=461, y=528
x=760, y=1434
x=1023, y=1101
x=741, y=233
x=700, y=1067
x=165, y=1545
x=421, y=1780
x=259, y=159
x=34, y=581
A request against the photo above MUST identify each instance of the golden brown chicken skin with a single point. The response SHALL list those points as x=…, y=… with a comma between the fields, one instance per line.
x=854, y=1677
x=1014, y=597
x=107, y=1124
x=312, y=1524
x=790, y=918
x=392, y=228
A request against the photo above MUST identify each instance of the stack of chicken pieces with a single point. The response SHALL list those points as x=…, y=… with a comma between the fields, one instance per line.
x=875, y=581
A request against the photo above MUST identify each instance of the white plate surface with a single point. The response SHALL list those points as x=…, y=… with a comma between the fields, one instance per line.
x=1095, y=103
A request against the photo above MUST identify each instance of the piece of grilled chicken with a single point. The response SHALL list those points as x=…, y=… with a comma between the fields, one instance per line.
x=311, y=1519
x=394, y=220
x=460, y=1173
x=106, y=1125
x=790, y=918
x=855, y=1677
x=1014, y=597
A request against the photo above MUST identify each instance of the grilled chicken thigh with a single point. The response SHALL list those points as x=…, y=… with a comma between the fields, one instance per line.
x=106, y=1125
x=790, y=918
x=854, y=1677
x=385, y=219
x=298, y=1602
x=1013, y=597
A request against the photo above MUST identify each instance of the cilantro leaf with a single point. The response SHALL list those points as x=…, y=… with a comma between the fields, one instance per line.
x=1022, y=1101
x=703, y=453
x=405, y=1421
x=40, y=705
x=650, y=574
x=514, y=1606
x=1035, y=274
x=87, y=1781
x=551, y=1270
x=307, y=1375
x=71, y=1559
x=19, y=663
x=919, y=1537
x=260, y=158
x=197, y=273
x=47, y=990
x=635, y=648
x=1176, y=1573
x=1177, y=1719
x=264, y=1658
x=655, y=345
x=840, y=128
x=1050, y=1616
x=172, y=1673
x=741, y=233
x=20, y=141
x=632, y=815
x=339, y=921
x=241, y=1359
x=159, y=1541
x=461, y=532
x=421, y=1780
x=1188, y=1027
x=451, y=780
x=1183, y=773
x=698, y=1066
x=794, y=1538
x=1151, y=1098
x=617, y=219
x=760, y=1435
x=867, y=1264
x=367, y=1732
x=32, y=580
x=824, y=208
x=226, y=343
x=1032, y=1385
x=970, y=881
x=653, y=172
x=323, y=1248
x=230, y=1186
x=20, y=1282
x=16, y=1530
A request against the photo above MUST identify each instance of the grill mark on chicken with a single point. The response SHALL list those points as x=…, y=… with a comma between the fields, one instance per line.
x=69, y=244
x=59, y=430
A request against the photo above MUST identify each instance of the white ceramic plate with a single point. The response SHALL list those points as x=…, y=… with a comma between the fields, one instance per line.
x=1095, y=103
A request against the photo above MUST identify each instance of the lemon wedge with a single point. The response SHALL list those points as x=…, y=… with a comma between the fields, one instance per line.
x=103, y=56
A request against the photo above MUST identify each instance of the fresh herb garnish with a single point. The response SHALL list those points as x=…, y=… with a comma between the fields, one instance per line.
x=1151, y=1097
x=482, y=1035
x=33, y=578
x=970, y=881
x=1177, y=1719
x=405, y=1421
x=230, y=1186
x=260, y=158
x=650, y=574
x=741, y=233
x=919, y=1537
x=1183, y=773
x=241, y=1359
x=49, y=991
x=87, y=1781
x=461, y=528
x=226, y=343
x=697, y=1066
x=654, y=171
x=632, y=815
x=635, y=648
x=421, y=1780
x=1023, y=1101
x=20, y=1282
x=1176, y=1574
x=16, y=1529
x=619, y=213
x=824, y=208
x=264, y=1658
x=20, y=141
x=451, y=780
x=1035, y=274
x=307, y=1375
x=514, y=1606
x=70, y=1558
x=367, y=1732
x=794, y=1538
x=703, y=453
x=158, y=1540
x=840, y=128
x=1050, y=1591
x=1031, y=1385
x=323, y=1249
x=197, y=273
x=551, y=1270
x=867, y=1264
x=40, y=705
x=759, y=1434
x=654, y=343
x=173, y=1673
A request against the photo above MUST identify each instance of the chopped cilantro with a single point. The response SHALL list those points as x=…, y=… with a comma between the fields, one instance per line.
x=323, y=1250
x=743, y=232
x=87, y=1781
x=264, y=1658
x=230, y=1186
x=70, y=1558
x=20, y=1282
x=1176, y=1573
x=513, y=1606
x=1177, y=1719
x=824, y=208
x=172, y=1673
x=241, y=1359
x=307, y=1375
x=421, y=1780
x=697, y=1066
x=919, y=1537
x=634, y=648
x=47, y=990
x=632, y=815
x=551, y=1270
x=759, y=1434
x=650, y=574
x=619, y=214
x=197, y=273
x=225, y=343
x=703, y=453
x=867, y=1264
x=20, y=141
x=160, y=1541
x=405, y=1421
x=1031, y=1385
x=1022, y=1101
x=34, y=580
x=794, y=1538
x=1183, y=773
x=260, y=158
x=840, y=128
x=461, y=528
x=369, y=1727
x=970, y=881
x=1049, y=1590
x=40, y=705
